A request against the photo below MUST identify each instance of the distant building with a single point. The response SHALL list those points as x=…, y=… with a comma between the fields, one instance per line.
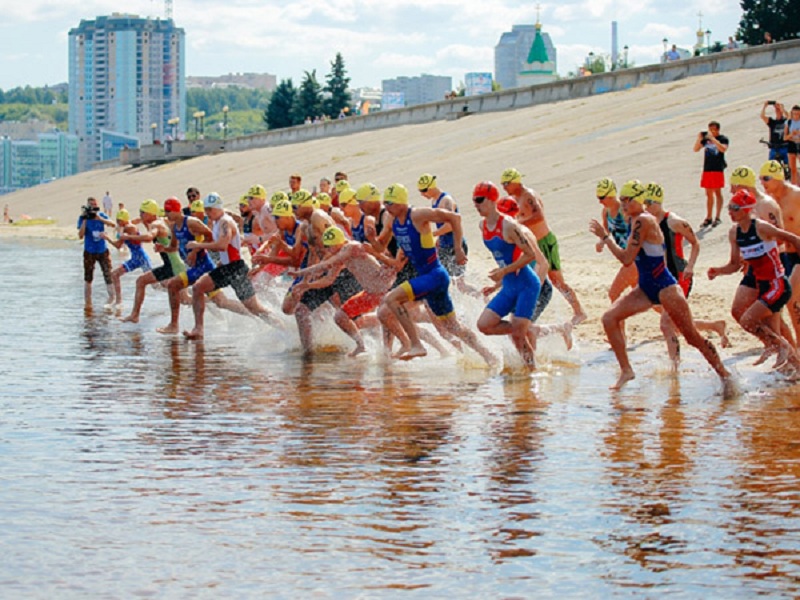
x=26, y=163
x=512, y=54
x=255, y=81
x=125, y=73
x=418, y=90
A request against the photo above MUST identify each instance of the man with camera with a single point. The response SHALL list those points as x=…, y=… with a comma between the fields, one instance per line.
x=91, y=225
x=778, y=147
x=712, y=181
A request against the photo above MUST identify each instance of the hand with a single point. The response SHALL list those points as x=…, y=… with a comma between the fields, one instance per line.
x=600, y=245
x=488, y=289
x=192, y=245
x=497, y=275
x=596, y=228
x=159, y=248
x=688, y=272
x=461, y=258
x=712, y=273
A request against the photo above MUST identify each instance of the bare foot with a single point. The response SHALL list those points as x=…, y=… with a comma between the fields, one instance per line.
x=578, y=319
x=194, y=334
x=168, y=329
x=358, y=350
x=130, y=319
x=566, y=333
x=402, y=350
x=723, y=337
x=764, y=356
x=413, y=352
x=624, y=378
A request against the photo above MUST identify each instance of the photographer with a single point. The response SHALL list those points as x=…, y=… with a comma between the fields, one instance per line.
x=778, y=148
x=713, y=178
x=91, y=225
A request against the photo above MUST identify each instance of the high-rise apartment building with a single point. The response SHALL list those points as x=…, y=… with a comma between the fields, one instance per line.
x=126, y=73
x=513, y=50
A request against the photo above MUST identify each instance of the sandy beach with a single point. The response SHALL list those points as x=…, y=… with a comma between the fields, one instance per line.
x=562, y=149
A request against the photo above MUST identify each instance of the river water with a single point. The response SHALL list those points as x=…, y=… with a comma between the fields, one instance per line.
x=138, y=465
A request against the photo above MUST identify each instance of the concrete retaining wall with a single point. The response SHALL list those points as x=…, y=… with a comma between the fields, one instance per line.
x=565, y=89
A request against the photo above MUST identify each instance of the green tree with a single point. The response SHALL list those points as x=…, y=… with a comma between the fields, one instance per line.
x=279, y=110
x=780, y=17
x=308, y=101
x=337, y=86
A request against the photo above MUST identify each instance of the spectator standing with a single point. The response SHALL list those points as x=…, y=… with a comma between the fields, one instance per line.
x=791, y=135
x=778, y=148
x=91, y=226
x=673, y=54
x=108, y=204
x=714, y=146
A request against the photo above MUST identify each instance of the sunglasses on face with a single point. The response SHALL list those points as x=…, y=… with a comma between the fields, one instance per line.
x=767, y=178
x=423, y=190
x=479, y=200
x=734, y=207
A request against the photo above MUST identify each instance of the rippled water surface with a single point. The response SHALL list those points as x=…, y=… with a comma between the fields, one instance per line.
x=133, y=464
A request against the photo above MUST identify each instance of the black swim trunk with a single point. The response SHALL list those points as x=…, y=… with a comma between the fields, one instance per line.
x=235, y=275
x=749, y=279
x=545, y=294
x=345, y=285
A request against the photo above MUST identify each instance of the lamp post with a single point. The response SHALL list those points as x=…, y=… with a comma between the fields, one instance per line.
x=173, y=122
x=708, y=41
x=153, y=127
x=225, y=122
x=625, y=56
x=665, y=41
x=198, y=124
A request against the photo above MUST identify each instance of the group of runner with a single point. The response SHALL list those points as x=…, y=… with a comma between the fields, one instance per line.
x=378, y=261
x=371, y=256
x=649, y=242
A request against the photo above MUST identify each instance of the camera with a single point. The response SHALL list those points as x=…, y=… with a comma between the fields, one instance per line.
x=90, y=212
x=703, y=134
x=771, y=102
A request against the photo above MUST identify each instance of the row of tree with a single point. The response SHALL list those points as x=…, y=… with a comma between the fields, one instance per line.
x=292, y=106
x=34, y=95
x=781, y=18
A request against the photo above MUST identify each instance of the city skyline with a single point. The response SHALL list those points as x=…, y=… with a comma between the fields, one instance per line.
x=378, y=41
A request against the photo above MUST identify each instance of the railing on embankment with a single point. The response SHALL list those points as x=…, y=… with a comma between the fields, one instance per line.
x=746, y=58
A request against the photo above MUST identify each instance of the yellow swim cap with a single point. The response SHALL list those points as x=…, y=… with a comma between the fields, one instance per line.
x=197, y=207
x=347, y=196
x=368, y=193
x=634, y=190
x=772, y=168
x=425, y=182
x=299, y=197
x=283, y=208
x=511, y=175
x=606, y=187
x=654, y=193
x=123, y=215
x=341, y=185
x=324, y=199
x=244, y=200
x=333, y=236
x=396, y=194
x=257, y=191
x=277, y=197
x=743, y=176
x=150, y=207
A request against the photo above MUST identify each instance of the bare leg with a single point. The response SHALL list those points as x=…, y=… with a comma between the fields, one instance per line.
x=199, y=290
x=141, y=283
x=402, y=325
x=87, y=294
x=627, y=306
x=557, y=279
x=347, y=325
x=174, y=288
x=678, y=309
x=670, y=334
x=219, y=298
x=626, y=277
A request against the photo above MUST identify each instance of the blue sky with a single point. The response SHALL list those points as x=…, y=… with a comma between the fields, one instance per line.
x=378, y=39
